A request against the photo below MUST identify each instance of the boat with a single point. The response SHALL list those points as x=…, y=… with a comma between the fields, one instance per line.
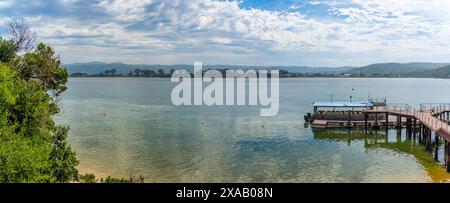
x=307, y=117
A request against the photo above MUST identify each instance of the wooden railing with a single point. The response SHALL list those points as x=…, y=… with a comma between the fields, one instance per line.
x=427, y=107
x=426, y=115
x=394, y=107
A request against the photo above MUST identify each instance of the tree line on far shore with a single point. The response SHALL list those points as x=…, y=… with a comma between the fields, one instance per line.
x=136, y=73
x=162, y=74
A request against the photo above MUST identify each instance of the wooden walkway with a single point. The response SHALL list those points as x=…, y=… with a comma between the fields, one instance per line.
x=431, y=118
x=427, y=117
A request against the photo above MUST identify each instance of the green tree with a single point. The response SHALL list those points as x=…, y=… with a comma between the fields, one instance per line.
x=44, y=66
x=137, y=71
x=62, y=158
x=161, y=72
x=7, y=50
x=25, y=130
x=32, y=147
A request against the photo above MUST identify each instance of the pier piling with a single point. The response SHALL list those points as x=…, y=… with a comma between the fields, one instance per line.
x=376, y=125
x=387, y=121
x=447, y=155
x=399, y=122
x=420, y=133
x=366, y=117
x=436, y=147
x=349, y=122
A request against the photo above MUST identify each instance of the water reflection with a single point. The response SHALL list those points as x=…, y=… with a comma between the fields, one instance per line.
x=396, y=140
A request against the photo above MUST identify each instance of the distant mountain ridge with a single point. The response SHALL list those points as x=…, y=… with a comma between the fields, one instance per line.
x=397, y=68
x=416, y=69
x=97, y=67
x=442, y=72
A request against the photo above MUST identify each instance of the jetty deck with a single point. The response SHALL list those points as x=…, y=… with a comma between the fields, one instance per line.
x=435, y=119
x=428, y=119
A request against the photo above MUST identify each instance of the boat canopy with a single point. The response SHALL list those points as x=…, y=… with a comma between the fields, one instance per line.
x=343, y=104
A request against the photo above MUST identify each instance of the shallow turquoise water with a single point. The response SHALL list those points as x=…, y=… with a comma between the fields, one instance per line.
x=128, y=125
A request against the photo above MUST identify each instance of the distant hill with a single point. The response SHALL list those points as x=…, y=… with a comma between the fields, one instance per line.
x=397, y=68
x=97, y=67
x=442, y=72
x=434, y=70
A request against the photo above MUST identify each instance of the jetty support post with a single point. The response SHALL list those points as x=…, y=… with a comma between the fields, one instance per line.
x=366, y=117
x=428, y=139
x=387, y=121
x=349, y=122
x=399, y=135
x=376, y=125
x=399, y=122
x=424, y=136
x=436, y=147
x=420, y=132
x=447, y=155
x=408, y=127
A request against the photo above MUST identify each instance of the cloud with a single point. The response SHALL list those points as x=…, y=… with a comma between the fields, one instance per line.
x=5, y=3
x=295, y=7
x=220, y=40
x=125, y=10
x=349, y=32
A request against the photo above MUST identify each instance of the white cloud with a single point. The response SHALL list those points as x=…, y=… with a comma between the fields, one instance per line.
x=221, y=40
x=390, y=29
x=294, y=31
x=295, y=7
x=6, y=3
x=126, y=10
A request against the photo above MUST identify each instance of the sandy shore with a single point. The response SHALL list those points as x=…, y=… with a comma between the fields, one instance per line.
x=84, y=169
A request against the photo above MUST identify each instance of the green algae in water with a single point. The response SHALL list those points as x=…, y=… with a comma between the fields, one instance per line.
x=402, y=144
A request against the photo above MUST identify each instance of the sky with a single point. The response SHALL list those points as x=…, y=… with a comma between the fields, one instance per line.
x=241, y=32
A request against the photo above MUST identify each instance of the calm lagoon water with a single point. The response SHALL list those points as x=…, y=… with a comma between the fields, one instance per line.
x=123, y=126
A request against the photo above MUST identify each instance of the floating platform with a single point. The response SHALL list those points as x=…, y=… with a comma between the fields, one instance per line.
x=344, y=123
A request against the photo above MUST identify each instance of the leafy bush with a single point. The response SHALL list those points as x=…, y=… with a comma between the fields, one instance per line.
x=32, y=147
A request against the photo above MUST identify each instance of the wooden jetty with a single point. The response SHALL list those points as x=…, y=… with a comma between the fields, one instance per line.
x=429, y=118
x=422, y=122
